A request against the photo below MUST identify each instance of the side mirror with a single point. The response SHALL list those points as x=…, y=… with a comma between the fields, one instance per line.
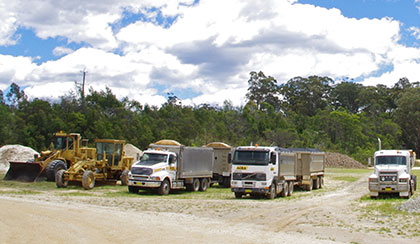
x=273, y=158
x=229, y=158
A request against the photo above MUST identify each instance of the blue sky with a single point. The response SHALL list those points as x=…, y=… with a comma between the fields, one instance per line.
x=203, y=51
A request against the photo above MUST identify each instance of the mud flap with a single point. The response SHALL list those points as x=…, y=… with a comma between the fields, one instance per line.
x=23, y=171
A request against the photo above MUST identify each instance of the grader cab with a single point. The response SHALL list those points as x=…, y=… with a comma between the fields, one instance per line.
x=109, y=165
x=65, y=149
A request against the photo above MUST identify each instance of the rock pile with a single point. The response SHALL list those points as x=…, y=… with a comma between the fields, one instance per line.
x=15, y=153
x=411, y=206
x=133, y=151
x=338, y=160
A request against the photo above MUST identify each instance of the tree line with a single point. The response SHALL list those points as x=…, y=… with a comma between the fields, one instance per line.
x=312, y=111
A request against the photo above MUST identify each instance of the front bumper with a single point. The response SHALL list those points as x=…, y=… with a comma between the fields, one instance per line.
x=391, y=188
x=145, y=184
x=250, y=190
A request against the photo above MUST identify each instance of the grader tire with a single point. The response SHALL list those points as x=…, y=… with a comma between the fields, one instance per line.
x=88, y=180
x=124, y=178
x=53, y=167
x=59, y=181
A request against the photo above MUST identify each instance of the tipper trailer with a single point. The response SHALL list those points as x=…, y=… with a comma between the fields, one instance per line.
x=167, y=165
x=221, y=166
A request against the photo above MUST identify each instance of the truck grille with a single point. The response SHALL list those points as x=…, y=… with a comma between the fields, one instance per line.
x=249, y=176
x=141, y=171
x=388, y=177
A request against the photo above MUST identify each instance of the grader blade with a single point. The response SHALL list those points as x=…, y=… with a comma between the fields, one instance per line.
x=24, y=171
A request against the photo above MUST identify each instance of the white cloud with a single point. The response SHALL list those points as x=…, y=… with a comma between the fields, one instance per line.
x=209, y=49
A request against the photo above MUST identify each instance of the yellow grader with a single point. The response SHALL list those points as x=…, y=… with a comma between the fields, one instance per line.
x=65, y=149
x=109, y=165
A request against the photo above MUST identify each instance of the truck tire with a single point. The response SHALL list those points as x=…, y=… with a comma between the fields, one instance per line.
x=415, y=182
x=285, y=191
x=310, y=186
x=53, y=167
x=196, y=184
x=321, y=181
x=133, y=189
x=315, y=183
x=272, y=192
x=124, y=177
x=291, y=186
x=204, y=184
x=88, y=180
x=238, y=195
x=164, y=187
x=226, y=181
x=59, y=181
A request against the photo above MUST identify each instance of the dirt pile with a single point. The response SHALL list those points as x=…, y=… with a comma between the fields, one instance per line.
x=338, y=160
x=15, y=153
x=133, y=151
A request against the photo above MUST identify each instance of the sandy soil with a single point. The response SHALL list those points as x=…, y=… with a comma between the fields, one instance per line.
x=316, y=217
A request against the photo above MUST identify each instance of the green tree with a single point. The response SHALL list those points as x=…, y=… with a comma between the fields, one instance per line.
x=262, y=89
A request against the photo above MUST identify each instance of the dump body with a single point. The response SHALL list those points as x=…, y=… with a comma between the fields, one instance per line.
x=169, y=165
x=310, y=167
x=221, y=166
x=287, y=166
x=65, y=149
x=392, y=173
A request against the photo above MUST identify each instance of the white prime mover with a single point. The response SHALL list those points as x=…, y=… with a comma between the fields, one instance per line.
x=168, y=165
x=392, y=173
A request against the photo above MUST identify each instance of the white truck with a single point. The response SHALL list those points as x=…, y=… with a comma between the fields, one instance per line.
x=168, y=165
x=392, y=173
x=271, y=171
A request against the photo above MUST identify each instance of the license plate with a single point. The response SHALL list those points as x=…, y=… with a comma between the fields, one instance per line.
x=388, y=189
x=248, y=190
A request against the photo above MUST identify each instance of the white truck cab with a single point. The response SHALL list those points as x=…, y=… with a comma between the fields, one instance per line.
x=392, y=173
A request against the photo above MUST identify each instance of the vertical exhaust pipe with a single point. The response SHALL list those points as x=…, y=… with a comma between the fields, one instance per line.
x=379, y=144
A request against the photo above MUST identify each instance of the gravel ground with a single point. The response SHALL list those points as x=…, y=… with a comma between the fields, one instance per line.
x=411, y=206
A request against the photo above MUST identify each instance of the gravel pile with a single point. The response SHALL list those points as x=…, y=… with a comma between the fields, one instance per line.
x=411, y=206
x=338, y=160
x=133, y=151
x=15, y=153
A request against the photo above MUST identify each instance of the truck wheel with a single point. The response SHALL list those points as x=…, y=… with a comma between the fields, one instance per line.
x=124, y=177
x=53, y=167
x=59, y=181
x=415, y=182
x=226, y=181
x=238, y=195
x=204, y=184
x=285, y=191
x=88, y=180
x=164, y=188
x=310, y=186
x=315, y=183
x=291, y=186
x=272, y=192
x=133, y=189
x=196, y=184
x=321, y=182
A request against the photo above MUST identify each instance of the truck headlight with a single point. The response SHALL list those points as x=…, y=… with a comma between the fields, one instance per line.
x=155, y=178
x=373, y=179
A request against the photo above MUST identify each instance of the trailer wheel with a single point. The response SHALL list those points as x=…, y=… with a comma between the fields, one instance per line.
x=59, y=181
x=53, y=167
x=238, y=195
x=291, y=186
x=133, y=189
x=196, y=184
x=321, y=181
x=285, y=191
x=310, y=186
x=124, y=178
x=164, y=188
x=88, y=180
x=315, y=183
x=272, y=192
x=204, y=184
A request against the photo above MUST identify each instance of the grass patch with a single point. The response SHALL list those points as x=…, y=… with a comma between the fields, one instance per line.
x=345, y=178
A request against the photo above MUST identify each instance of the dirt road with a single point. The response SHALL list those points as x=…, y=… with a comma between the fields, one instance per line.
x=322, y=216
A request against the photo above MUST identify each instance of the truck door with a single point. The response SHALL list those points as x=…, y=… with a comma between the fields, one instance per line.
x=172, y=161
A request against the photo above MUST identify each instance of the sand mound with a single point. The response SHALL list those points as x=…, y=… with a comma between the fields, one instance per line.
x=338, y=160
x=15, y=153
x=133, y=151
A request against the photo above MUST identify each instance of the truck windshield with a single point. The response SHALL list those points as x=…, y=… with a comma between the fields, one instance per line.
x=251, y=157
x=60, y=142
x=152, y=158
x=384, y=160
